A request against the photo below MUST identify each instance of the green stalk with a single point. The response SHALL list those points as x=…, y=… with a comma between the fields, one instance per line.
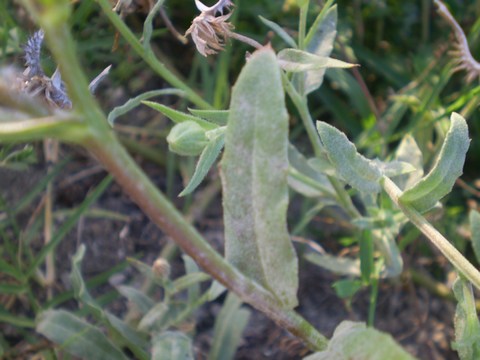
x=300, y=103
x=100, y=140
x=148, y=56
x=432, y=234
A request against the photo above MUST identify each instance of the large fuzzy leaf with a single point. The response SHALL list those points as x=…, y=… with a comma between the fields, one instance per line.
x=254, y=177
x=448, y=167
x=355, y=341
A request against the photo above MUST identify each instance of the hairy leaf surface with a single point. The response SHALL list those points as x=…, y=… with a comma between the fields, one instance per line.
x=467, y=327
x=254, y=176
x=355, y=341
x=448, y=167
x=356, y=170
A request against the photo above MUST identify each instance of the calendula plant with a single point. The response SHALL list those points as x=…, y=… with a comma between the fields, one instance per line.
x=258, y=166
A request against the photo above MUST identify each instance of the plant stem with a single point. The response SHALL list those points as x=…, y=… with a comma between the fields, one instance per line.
x=437, y=239
x=148, y=57
x=300, y=103
x=137, y=185
x=99, y=139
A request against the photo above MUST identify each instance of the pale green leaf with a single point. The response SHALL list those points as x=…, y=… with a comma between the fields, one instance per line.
x=207, y=158
x=394, y=168
x=227, y=332
x=172, y=345
x=254, y=172
x=308, y=181
x=319, y=41
x=355, y=341
x=293, y=60
x=356, y=170
x=134, y=102
x=134, y=340
x=142, y=302
x=215, y=290
x=335, y=264
x=347, y=288
x=219, y=117
x=154, y=319
x=467, y=327
x=280, y=32
x=409, y=152
x=474, y=218
x=76, y=336
x=178, y=117
x=448, y=167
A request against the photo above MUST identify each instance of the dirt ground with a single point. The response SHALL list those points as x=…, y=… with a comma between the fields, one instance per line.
x=421, y=322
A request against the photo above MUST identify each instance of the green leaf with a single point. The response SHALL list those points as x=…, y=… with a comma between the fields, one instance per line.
x=394, y=168
x=356, y=170
x=129, y=336
x=347, y=288
x=76, y=336
x=474, y=219
x=337, y=265
x=355, y=341
x=280, y=32
x=254, y=178
x=305, y=179
x=448, y=167
x=178, y=117
x=408, y=151
x=467, y=327
x=134, y=102
x=319, y=41
x=141, y=301
x=207, y=158
x=172, y=345
x=219, y=117
x=227, y=332
x=294, y=60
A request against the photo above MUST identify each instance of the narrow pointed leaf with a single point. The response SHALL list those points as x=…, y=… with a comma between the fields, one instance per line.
x=254, y=172
x=448, y=167
x=467, y=327
x=172, y=345
x=134, y=102
x=229, y=325
x=355, y=341
x=143, y=302
x=219, y=117
x=178, y=117
x=76, y=336
x=205, y=162
x=356, y=170
x=280, y=32
x=294, y=60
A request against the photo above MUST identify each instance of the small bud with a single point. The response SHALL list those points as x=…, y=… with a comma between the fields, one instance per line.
x=187, y=138
x=161, y=268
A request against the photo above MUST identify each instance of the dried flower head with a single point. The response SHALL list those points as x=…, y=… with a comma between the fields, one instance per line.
x=463, y=56
x=35, y=83
x=210, y=32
